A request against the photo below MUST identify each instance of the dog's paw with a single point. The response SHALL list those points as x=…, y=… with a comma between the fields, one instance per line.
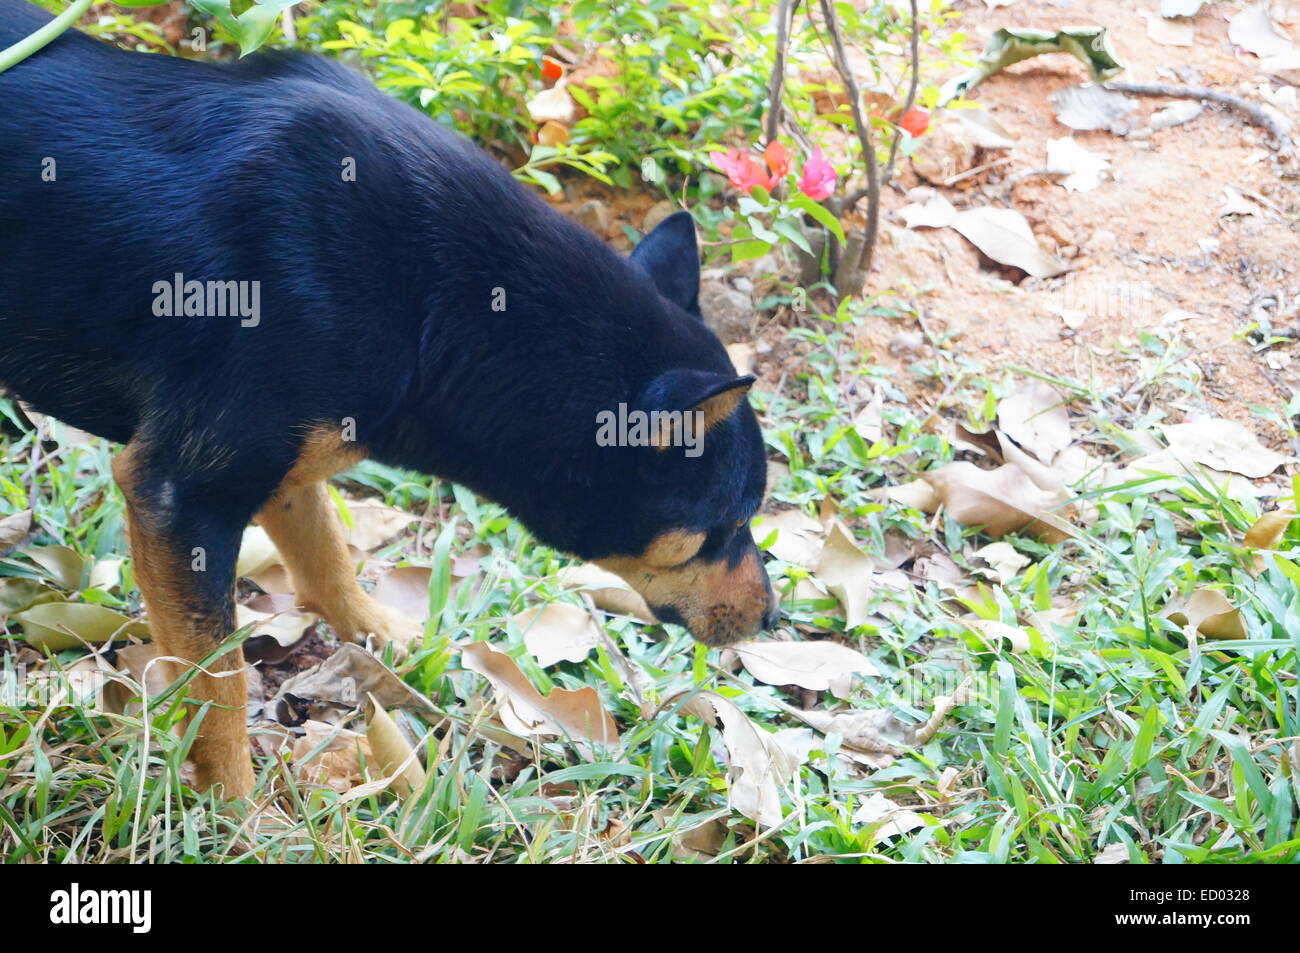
x=387, y=627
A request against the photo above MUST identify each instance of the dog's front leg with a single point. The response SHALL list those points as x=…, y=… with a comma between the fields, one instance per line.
x=302, y=522
x=184, y=545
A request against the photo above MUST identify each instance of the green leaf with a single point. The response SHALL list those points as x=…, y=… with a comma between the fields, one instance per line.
x=744, y=251
x=821, y=214
x=251, y=28
x=794, y=233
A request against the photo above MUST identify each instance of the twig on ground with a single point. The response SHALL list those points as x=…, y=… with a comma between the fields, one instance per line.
x=1249, y=111
x=1041, y=171
x=960, y=176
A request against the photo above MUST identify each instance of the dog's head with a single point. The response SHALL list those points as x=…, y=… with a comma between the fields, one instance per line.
x=699, y=473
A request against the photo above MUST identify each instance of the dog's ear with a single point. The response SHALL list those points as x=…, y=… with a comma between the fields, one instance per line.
x=670, y=256
x=714, y=395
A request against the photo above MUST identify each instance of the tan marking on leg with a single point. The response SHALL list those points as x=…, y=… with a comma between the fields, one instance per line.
x=303, y=524
x=182, y=626
x=324, y=453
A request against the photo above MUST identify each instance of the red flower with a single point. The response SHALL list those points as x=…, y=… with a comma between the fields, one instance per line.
x=915, y=121
x=818, y=179
x=743, y=172
x=778, y=161
x=552, y=69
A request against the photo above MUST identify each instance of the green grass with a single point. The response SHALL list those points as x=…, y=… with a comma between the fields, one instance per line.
x=1104, y=733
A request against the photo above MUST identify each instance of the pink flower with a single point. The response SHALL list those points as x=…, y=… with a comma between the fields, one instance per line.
x=818, y=179
x=743, y=172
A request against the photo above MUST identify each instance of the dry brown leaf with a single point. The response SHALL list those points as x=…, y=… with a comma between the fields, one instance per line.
x=274, y=581
x=1207, y=611
x=14, y=529
x=1005, y=236
x=405, y=589
x=1006, y=561
x=374, y=524
x=1172, y=472
x=935, y=212
x=106, y=574
x=798, y=540
x=276, y=617
x=55, y=626
x=133, y=665
x=1048, y=621
x=525, y=711
x=395, y=754
x=1116, y=853
x=819, y=666
x=694, y=839
x=869, y=422
x=847, y=572
x=993, y=632
x=337, y=764
x=758, y=766
x=608, y=591
x=896, y=820
x=918, y=494
x=1002, y=501
x=80, y=682
x=62, y=564
x=939, y=569
x=1265, y=534
x=986, y=442
x=1222, y=445
x=1254, y=31
x=256, y=553
x=337, y=687
x=1034, y=416
x=558, y=632
x=878, y=731
x=1044, y=477
x=742, y=357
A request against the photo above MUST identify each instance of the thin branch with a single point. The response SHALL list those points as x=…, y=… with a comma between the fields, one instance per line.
x=1038, y=172
x=776, y=87
x=1252, y=113
x=911, y=93
x=864, y=134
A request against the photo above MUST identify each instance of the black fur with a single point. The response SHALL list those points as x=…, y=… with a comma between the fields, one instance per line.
x=376, y=297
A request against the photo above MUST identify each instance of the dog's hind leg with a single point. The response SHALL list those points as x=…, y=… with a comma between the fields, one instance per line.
x=184, y=545
x=302, y=522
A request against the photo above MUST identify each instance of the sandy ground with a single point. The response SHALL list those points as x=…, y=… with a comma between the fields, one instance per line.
x=1154, y=240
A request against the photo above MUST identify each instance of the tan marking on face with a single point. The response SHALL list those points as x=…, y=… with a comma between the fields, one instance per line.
x=672, y=549
x=719, y=603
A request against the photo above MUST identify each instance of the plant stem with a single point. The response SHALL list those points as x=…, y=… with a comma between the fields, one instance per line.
x=13, y=55
x=911, y=93
x=776, y=88
x=863, y=130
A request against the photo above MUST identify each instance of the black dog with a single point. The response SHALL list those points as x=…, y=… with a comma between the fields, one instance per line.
x=254, y=276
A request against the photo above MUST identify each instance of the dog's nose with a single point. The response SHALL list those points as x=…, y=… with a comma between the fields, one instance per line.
x=772, y=616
